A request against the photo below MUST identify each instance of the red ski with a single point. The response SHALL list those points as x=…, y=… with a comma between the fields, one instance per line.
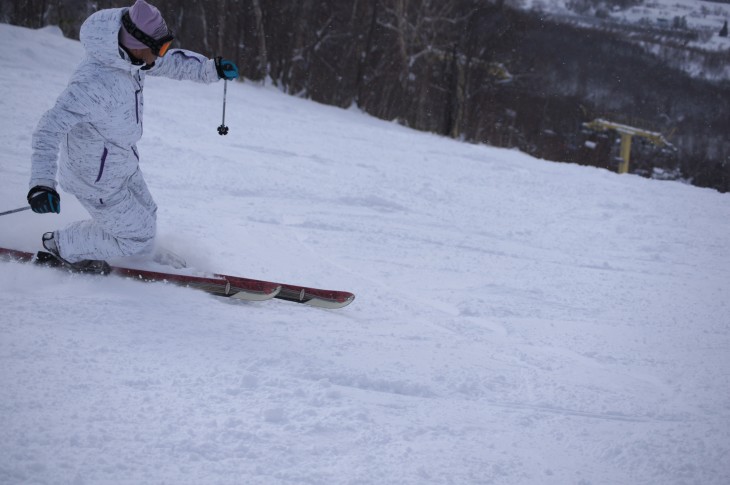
x=217, y=284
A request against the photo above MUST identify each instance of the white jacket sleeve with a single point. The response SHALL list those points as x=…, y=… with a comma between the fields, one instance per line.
x=185, y=66
x=77, y=104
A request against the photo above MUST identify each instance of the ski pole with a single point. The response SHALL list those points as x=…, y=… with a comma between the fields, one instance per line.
x=19, y=209
x=223, y=129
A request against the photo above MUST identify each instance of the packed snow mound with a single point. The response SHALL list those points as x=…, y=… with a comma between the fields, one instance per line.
x=517, y=321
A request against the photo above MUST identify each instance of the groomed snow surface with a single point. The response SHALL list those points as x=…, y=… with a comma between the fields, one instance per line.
x=517, y=321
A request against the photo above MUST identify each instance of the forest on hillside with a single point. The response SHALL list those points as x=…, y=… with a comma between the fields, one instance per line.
x=475, y=70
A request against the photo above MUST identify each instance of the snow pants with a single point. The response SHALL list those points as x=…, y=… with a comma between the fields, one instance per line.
x=121, y=225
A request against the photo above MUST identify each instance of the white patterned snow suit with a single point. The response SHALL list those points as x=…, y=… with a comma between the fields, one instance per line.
x=95, y=124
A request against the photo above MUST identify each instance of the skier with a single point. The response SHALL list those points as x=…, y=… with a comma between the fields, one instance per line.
x=96, y=122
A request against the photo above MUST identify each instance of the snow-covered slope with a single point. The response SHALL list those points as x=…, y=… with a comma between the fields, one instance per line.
x=517, y=321
x=663, y=18
x=699, y=14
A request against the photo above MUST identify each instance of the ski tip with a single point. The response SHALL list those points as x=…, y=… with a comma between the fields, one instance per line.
x=315, y=297
x=330, y=304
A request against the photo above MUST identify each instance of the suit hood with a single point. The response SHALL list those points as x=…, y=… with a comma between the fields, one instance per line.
x=99, y=35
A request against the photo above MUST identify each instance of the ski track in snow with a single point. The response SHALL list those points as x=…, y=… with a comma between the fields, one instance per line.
x=516, y=322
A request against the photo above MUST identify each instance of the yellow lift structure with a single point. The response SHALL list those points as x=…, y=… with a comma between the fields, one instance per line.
x=627, y=133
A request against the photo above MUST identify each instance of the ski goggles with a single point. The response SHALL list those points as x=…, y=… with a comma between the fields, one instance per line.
x=158, y=46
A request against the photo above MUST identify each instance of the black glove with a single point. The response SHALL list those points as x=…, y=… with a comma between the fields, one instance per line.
x=44, y=199
x=226, y=69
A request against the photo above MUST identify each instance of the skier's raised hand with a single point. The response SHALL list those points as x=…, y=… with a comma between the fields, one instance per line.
x=44, y=199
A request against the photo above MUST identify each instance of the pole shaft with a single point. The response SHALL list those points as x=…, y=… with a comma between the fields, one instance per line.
x=19, y=209
x=225, y=90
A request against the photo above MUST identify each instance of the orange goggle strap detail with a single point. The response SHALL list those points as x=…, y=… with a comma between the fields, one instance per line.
x=158, y=47
x=164, y=47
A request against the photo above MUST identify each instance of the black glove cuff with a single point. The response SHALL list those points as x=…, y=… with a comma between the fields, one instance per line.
x=218, y=67
x=40, y=188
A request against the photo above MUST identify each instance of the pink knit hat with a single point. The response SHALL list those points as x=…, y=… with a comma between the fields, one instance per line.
x=147, y=19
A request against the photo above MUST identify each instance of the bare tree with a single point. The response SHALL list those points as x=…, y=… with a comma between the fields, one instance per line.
x=261, y=35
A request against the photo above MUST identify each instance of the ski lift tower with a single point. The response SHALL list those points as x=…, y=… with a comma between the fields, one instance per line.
x=627, y=133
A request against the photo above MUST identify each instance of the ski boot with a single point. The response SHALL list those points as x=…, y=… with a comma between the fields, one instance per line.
x=53, y=258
